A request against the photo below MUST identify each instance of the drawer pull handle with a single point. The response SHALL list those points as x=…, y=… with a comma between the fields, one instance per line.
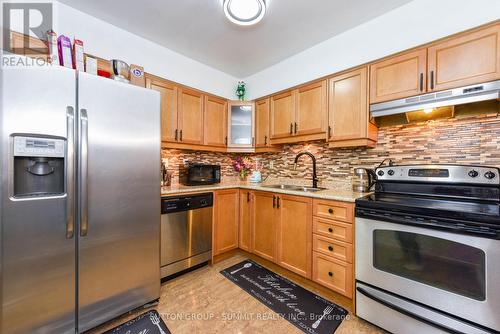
x=330, y=248
x=330, y=211
x=330, y=274
x=330, y=230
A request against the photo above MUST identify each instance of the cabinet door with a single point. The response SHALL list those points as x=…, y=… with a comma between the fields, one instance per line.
x=465, y=60
x=398, y=77
x=282, y=115
x=311, y=109
x=264, y=225
x=262, y=110
x=348, y=112
x=241, y=124
x=226, y=215
x=190, y=116
x=168, y=92
x=245, y=229
x=295, y=234
x=215, y=121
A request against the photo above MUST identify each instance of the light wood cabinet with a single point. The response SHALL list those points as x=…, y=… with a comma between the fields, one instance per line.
x=245, y=227
x=190, y=116
x=226, y=218
x=399, y=76
x=168, y=105
x=262, y=111
x=215, y=121
x=282, y=115
x=294, y=234
x=264, y=225
x=299, y=114
x=348, y=114
x=334, y=274
x=311, y=110
x=465, y=60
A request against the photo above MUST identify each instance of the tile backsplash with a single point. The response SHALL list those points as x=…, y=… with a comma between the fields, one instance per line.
x=471, y=140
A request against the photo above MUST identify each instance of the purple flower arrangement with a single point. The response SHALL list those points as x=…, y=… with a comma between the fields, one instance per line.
x=243, y=166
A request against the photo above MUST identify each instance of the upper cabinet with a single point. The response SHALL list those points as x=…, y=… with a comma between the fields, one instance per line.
x=262, y=111
x=215, y=121
x=465, y=60
x=241, y=124
x=348, y=114
x=282, y=115
x=310, y=116
x=190, y=108
x=299, y=114
x=469, y=58
x=398, y=77
x=168, y=93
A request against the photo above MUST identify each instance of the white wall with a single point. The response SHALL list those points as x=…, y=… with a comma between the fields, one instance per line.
x=107, y=41
x=413, y=24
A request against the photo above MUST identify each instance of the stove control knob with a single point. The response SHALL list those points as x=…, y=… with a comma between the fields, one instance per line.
x=390, y=172
x=489, y=175
x=473, y=173
x=380, y=173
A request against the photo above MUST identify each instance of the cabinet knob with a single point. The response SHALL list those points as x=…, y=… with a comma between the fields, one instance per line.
x=330, y=274
x=274, y=201
x=265, y=140
x=330, y=230
x=330, y=248
x=330, y=211
x=291, y=128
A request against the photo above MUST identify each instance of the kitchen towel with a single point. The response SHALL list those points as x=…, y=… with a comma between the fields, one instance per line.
x=149, y=322
x=307, y=311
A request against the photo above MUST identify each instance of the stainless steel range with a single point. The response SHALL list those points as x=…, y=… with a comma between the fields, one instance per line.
x=428, y=250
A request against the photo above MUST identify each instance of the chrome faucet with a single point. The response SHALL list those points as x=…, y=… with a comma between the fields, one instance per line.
x=315, y=177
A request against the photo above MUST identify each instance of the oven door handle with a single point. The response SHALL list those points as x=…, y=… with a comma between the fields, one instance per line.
x=406, y=312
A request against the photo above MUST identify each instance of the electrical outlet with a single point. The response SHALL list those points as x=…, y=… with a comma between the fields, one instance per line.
x=271, y=164
x=185, y=162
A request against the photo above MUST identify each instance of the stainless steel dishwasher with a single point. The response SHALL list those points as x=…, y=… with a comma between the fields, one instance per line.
x=186, y=232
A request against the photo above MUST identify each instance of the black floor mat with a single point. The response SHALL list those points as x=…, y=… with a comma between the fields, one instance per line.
x=149, y=322
x=307, y=311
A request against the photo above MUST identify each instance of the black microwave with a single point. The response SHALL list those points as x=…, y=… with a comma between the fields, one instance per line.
x=200, y=174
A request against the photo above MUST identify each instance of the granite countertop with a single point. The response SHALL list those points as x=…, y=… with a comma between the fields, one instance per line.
x=335, y=191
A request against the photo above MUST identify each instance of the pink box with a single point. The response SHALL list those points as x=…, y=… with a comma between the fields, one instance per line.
x=64, y=50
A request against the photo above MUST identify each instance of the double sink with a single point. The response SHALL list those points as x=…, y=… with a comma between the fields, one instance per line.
x=293, y=187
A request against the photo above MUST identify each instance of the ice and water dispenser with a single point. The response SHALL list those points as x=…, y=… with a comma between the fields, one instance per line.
x=38, y=166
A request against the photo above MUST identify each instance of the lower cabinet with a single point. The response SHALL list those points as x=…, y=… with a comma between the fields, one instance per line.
x=245, y=228
x=294, y=234
x=226, y=218
x=310, y=237
x=264, y=222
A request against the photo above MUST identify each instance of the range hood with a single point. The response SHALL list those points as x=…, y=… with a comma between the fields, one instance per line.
x=456, y=96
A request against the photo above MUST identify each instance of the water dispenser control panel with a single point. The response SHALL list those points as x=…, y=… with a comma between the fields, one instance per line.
x=38, y=147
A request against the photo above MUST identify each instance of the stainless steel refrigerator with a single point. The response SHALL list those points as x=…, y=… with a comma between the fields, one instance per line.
x=80, y=200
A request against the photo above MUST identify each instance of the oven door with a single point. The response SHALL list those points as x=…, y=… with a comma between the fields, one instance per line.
x=454, y=273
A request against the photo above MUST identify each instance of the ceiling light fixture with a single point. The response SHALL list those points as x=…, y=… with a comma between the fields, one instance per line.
x=244, y=12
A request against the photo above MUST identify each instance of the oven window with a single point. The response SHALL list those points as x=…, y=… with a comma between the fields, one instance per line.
x=440, y=263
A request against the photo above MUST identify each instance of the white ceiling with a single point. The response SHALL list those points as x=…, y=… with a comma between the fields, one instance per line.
x=199, y=30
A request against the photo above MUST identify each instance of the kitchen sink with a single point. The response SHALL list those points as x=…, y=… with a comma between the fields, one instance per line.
x=293, y=187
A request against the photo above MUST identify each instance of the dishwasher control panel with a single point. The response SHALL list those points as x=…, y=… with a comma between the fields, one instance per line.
x=186, y=202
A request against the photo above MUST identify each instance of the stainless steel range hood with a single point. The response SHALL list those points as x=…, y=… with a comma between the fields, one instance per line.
x=462, y=95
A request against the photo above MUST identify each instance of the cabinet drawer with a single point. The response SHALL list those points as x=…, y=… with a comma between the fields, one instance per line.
x=334, y=248
x=334, y=210
x=333, y=229
x=332, y=273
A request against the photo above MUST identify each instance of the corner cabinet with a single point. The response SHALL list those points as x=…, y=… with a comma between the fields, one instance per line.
x=241, y=119
x=348, y=114
x=245, y=228
x=299, y=114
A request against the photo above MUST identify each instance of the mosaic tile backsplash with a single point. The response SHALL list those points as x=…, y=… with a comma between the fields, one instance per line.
x=472, y=140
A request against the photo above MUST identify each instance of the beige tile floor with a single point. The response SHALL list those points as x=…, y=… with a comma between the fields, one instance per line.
x=204, y=301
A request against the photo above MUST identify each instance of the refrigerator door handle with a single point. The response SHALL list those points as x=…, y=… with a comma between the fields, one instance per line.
x=84, y=141
x=70, y=172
